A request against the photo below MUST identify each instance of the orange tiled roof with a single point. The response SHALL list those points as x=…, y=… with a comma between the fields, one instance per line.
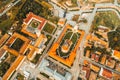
x=116, y=76
x=13, y=67
x=87, y=53
x=61, y=22
x=32, y=51
x=11, y=41
x=107, y=73
x=39, y=40
x=95, y=68
x=26, y=23
x=94, y=38
x=29, y=33
x=103, y=59
x=116, y=54
x=69, y=61
x=86, y=62
x=65, y=47
x=93, y=76
x=31, y=15
x=99, y=53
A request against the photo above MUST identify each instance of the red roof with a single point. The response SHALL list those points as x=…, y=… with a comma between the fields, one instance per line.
x=31, y=15
x=87, y=71
x=106, y=73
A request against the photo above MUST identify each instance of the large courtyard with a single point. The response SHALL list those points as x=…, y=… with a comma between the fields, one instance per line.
x=69, y=37
x=64, y=49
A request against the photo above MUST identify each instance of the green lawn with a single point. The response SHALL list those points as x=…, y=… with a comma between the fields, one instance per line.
x=3, y=3
x=11, y=58
x=35, y=24
x=35, y=7
x=114, y=40
x=49, y=37
x=6, y=63
x=73, y=39
x=6, y=23
x=74, y=2
x=108, y=19
x=4, y=66
x=53, y=19
x=44, y=3
x=36, y=58
x=68, y=35
x=49, y=28
x=20, y=77
x=17, y=44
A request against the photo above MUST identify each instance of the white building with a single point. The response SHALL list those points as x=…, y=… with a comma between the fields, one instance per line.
x=53, y=73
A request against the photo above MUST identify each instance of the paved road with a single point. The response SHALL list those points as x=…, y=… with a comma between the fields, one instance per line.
x=45, y=52
x=100, y=65
x=76, y=68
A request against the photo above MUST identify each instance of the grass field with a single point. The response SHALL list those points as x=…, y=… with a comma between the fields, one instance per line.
x=3, y=3
x=6, y=23
x=49, y=28
x=49, y=37
x=17, y=44
x=36, y=58
x=107, y=19
x=68, y=35
x=19, y=77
